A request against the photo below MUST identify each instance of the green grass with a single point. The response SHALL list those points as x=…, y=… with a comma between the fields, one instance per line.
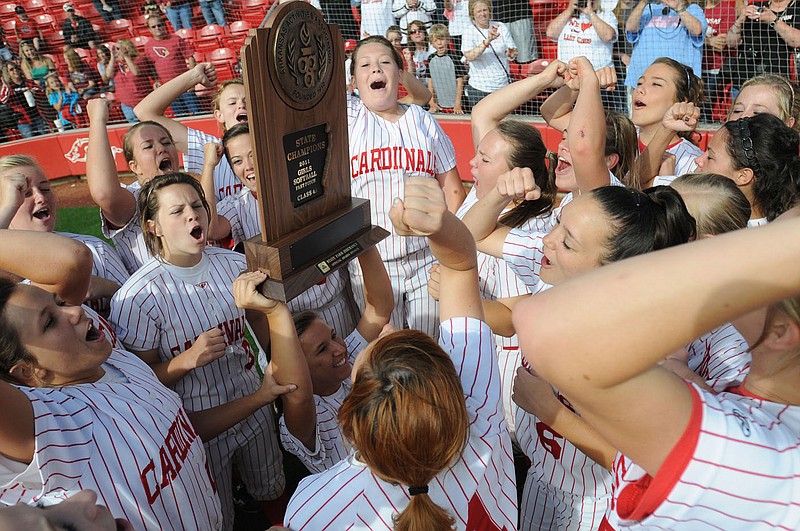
x=82, y=220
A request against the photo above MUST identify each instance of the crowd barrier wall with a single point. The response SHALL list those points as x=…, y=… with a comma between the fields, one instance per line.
x=63, y=155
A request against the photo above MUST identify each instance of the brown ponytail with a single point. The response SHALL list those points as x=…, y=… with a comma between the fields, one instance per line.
x=407, y=419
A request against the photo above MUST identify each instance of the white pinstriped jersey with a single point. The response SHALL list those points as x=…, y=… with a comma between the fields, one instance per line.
x=736, y=467
x=721, y=357
x=166, y=307
x=561, y=465
x=685, y=152
x=384, y=153
x=564, y=489
x=498, y=281
x=481, y=482
x=106, y=263
x=128, y=239
x=225, y=181
x=241, y=211
x=376, y=17
x=330, y=446
x=523, y=252
x=128, y=439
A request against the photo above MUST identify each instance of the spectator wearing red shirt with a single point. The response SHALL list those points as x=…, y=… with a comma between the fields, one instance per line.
x=26, y=29
x=131, y=77
x=13, y=94
x=171, y=56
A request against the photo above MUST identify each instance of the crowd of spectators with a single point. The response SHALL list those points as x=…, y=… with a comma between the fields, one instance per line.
x=488, y=44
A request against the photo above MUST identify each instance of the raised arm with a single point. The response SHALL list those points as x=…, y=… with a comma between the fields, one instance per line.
x=218, y=226
x=155, y=104
x=682, y=116
x=491, y=110
x=378, y=294
x=418, y=93
x=556, y=25
x=586, y=133
x=693, y=25
x=609, y=366
x=13, y=187
x=68, y=262
x=481, y=220
x=557, y=108
x=454, y=193
x=482, y=46
x=116, y=203
x=635, y=18
x=288, y=364
x=423, y=212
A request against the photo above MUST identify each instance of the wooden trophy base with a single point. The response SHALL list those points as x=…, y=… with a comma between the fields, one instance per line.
x=302, y=259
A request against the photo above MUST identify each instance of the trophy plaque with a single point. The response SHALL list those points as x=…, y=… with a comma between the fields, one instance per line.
x=295, y=86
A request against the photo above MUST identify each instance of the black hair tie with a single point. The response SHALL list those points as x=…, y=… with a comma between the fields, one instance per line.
x=413, y=491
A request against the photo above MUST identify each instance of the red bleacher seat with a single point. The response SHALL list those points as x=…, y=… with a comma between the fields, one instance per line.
x=58, y=5
x=209, y=38
x=548, y=50
x=224, y=60
x=8, y=29
x=36, y=7
x=140, y=41
x=7, y=10
x=186, y=34
x=46, y=23
x=535, y=67
x=239, y=31
x=139, y=24
x=120, y=29
x=60, y=17
x=253, y=11
x=55, y=41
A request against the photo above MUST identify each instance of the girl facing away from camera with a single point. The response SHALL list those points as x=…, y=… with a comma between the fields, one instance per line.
x=430, y=444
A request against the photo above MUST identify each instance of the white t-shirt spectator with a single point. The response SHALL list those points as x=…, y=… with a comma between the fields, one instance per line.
x=579, y=37
x=489, y=72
